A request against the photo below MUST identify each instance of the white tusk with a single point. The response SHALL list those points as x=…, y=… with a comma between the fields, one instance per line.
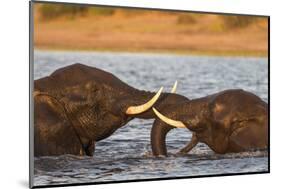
x=142, y=108
x=174, y=87
x=169, y=121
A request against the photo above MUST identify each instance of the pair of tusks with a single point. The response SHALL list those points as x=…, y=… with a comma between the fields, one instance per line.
x=142, y=108
x=167, y=120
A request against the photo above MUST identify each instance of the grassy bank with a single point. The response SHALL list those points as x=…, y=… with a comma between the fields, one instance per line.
x=152, y=31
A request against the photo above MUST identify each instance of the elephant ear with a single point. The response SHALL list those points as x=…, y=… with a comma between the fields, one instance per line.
x=53, y=132
x=42, y=100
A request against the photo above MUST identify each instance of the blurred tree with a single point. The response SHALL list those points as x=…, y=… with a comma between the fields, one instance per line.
x=102, y=11
x=237, y=21
x=50, y=11
x=187, y=18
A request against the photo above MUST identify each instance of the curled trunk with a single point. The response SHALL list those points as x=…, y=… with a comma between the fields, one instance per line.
x=158, y=137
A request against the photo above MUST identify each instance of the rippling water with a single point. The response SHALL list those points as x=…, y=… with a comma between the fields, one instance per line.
x=126, y=155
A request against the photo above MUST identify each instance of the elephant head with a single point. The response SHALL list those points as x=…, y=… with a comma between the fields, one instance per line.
x=228, y=121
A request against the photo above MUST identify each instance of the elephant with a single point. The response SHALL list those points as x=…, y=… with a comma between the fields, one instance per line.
x=78, y=105
x=230, y=121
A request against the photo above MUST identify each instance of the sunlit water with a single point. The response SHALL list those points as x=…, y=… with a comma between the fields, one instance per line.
x=126, y=155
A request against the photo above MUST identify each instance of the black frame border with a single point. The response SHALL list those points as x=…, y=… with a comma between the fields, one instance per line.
x=31, y=111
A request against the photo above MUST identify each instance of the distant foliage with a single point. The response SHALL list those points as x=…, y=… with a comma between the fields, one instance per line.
x=186, y=18
x=51, y=11
x=132, y=12
x=237, y=21
x=102, y=11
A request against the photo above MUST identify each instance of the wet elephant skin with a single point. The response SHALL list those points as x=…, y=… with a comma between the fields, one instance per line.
x=77, y=106
x=229, y=121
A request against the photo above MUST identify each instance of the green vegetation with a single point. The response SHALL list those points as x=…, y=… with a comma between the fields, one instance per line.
x=231, y=22
x=74, y=27
x=52, y=11
x=101, y=11
x=186, y=18
x=133, y=12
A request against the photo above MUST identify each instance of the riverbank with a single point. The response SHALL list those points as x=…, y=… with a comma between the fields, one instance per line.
x=152, y=32
x=160, y=51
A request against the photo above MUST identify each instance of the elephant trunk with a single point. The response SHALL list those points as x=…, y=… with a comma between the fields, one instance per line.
x=158, y=137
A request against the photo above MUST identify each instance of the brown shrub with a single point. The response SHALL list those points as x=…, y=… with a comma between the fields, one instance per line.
x=230, y=22
x=186, y=18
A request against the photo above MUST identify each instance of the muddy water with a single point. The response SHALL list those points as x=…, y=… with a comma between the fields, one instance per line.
x=126, y=155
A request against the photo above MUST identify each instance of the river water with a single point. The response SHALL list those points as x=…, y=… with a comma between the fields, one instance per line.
x=126, y=155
